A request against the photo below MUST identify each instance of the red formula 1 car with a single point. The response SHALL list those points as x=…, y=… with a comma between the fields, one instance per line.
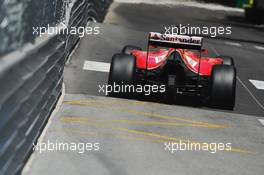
x=175, y=61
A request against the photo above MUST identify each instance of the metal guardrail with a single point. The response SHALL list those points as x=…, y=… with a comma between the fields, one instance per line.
x=31, y=83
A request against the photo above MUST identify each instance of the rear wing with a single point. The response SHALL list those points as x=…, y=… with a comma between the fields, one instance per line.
x=175, y=41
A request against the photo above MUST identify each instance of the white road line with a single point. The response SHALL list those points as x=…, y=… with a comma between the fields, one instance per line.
x=261, y=121
x=214, y=50
x=258, y=84
x=207, y=6
x=232, y=44
x=259, y=47
x=96, y=66
x=252, y=95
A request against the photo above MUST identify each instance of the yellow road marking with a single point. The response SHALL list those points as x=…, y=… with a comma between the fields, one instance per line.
x=77, y=132
x=151, y=123
x=147, y=114
x=149, y=134
x=105, y=101
x=123, y=136
x=171, y=117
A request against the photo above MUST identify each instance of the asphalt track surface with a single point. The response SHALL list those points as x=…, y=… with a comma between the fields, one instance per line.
x=131, y=132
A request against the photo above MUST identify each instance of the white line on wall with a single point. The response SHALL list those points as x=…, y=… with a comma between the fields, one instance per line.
x=261, y=121
x=96, y=66
x=233, y=44
x=259, y=47
x=258, y=84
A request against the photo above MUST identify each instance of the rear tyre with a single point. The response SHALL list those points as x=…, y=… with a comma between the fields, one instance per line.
x=128, y=49
x=223, y=86
x=227, y=60
x=122, y=72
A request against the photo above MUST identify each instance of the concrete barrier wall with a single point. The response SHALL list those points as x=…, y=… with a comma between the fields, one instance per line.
x=31, y=69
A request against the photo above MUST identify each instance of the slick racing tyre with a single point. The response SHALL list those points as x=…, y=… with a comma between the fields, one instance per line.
x=223, y=86
x=128, y=49
x=227, y=60
x=122, y=72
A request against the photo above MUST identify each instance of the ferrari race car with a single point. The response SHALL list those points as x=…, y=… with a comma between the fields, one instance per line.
x=176, y=62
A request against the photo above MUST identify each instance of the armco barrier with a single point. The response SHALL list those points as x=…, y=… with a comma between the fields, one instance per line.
x=31, y=83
